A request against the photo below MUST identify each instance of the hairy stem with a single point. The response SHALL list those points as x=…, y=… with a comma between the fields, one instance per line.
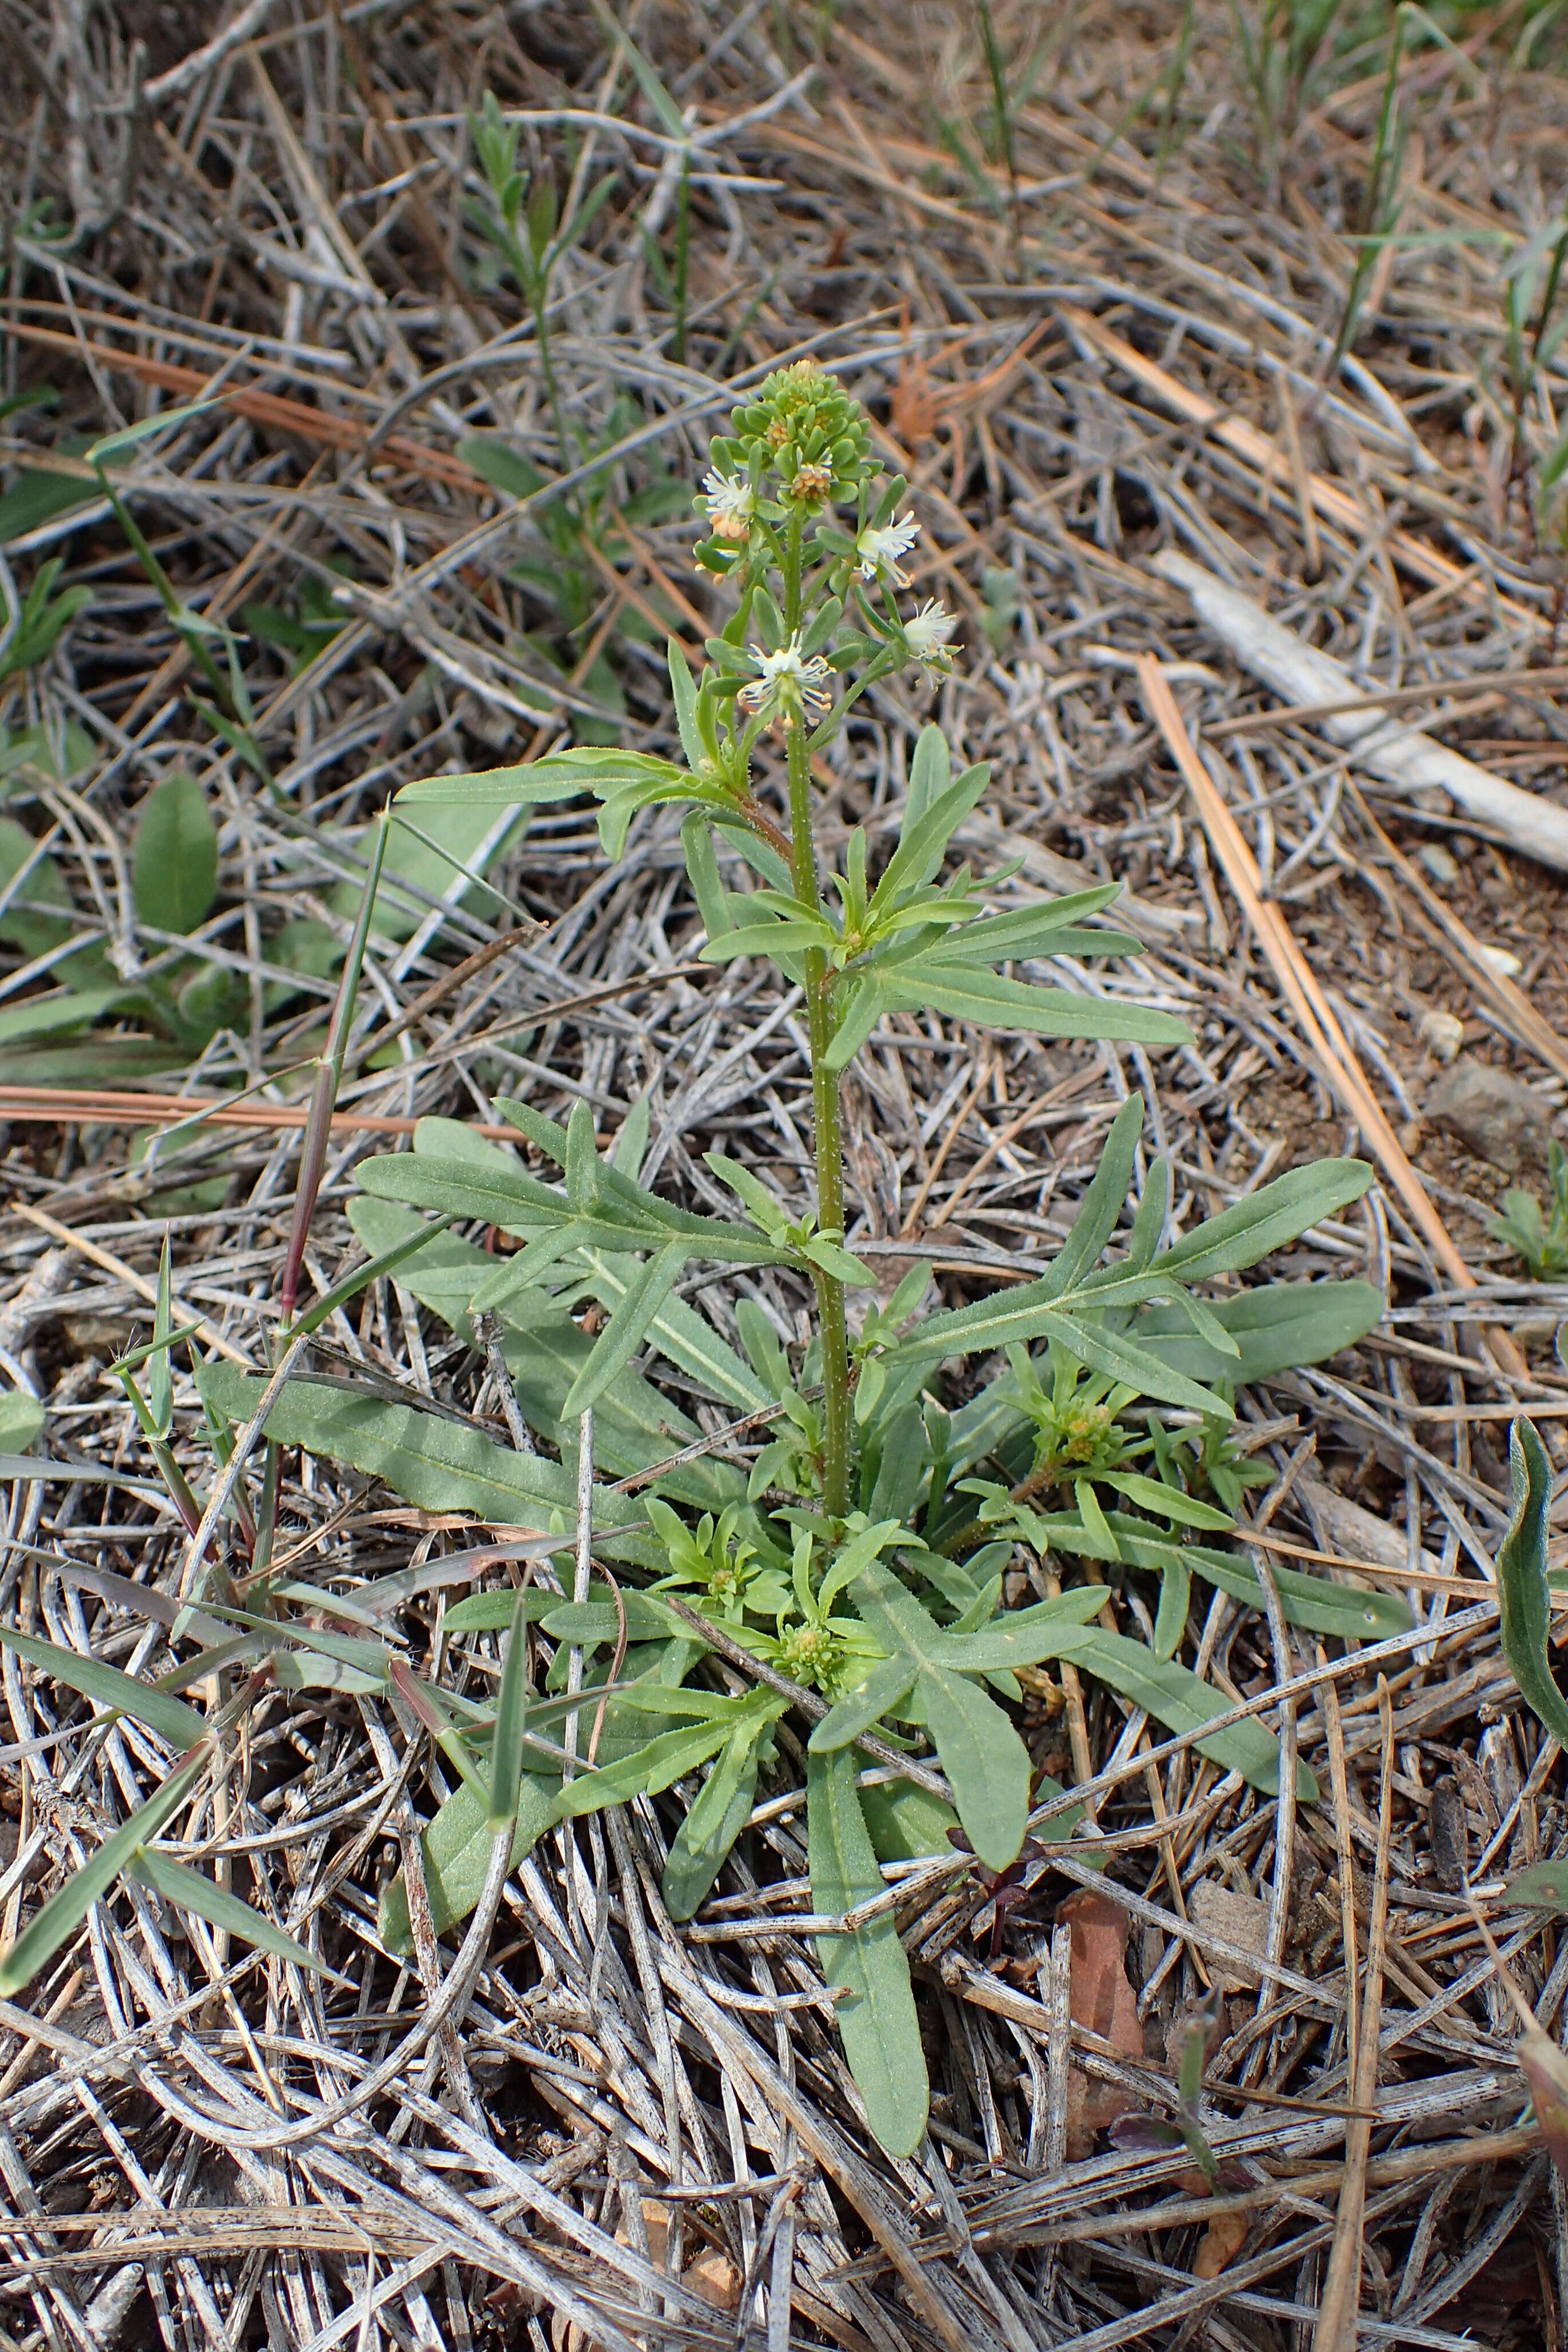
x=828, y=1133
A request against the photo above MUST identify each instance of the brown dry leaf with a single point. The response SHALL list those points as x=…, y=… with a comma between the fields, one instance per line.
x=914, y=407
x=1223, y=2241
x=1104, y=2001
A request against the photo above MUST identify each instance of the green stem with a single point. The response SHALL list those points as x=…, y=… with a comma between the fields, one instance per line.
x=828, y=1132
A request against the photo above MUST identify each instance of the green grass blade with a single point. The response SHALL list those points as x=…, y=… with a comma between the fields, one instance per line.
x=188, y=1890
x=63, y=1913
x=170, y=1718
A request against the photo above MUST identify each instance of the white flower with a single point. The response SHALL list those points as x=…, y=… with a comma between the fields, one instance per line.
x=790, y=683
x=731, y=502
x=878, y=551
x=926, y=635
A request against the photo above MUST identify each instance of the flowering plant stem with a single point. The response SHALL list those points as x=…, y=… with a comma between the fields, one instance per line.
x=826, y=1119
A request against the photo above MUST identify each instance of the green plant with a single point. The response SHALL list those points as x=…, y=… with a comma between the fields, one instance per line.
x=1539, y=1236
x=1186, y=2130
x=855, y=1579
x=42, y=621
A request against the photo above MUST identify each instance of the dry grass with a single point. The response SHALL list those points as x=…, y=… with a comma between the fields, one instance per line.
x=282, y=222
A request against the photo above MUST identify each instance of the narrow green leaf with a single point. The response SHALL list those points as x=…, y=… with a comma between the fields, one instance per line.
x=1266, y=1220
x=511, y=1724
x=877, y=2020
x=1175, y=1600
x=115, y=445
x=160, y=1377
x=171, y=1718
x=717, y=1817
x=1153, y=1495
x=362, y=1278
x=1016, y=1004
x=558, y=776
x=627, y=1328
x=647, y=1770
x=188, y=1890
x=61, y=1008
x=1181, y=1702
x=63, y=1913
x=1522, y=1587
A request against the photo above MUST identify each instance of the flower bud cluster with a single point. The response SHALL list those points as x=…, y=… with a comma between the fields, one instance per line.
x=807, y=431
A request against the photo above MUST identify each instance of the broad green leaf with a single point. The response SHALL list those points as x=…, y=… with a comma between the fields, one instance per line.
x=492, y=1612
x=39, y=913
x=456, y=1850
x=21, y=1419
x=1276, y=1326
x=171, y=1718
x=1542, y=1887
x=1181, y=1702
x=624, y=1332
x=560, y=776
x=496, y=461
x=188, y=1890
x=986, y=1761
x=878, y=2022
x=1522, y=1589
x=717, y=1817
x=1266, y=1220
x=1032, y=1313
x=174, y=860
x=431, y=1461
x=63, y=1913
x=38, y=494
x=906, y=1821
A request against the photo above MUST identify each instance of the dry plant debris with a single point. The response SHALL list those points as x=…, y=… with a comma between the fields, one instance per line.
x=1011, y=236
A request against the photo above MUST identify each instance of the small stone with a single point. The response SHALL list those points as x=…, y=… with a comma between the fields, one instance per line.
x=1492, y=1114
x=1506, y=965
x=1242, y=1919
x=1442, y=1033
x=1440, y=861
